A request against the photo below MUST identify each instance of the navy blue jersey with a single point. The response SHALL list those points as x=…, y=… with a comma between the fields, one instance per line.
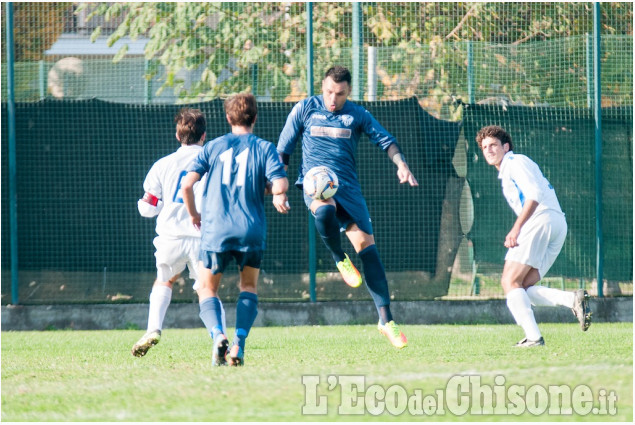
x=330, y=139
x=233, y=213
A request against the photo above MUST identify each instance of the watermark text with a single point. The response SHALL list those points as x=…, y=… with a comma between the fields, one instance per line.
x=462, y=395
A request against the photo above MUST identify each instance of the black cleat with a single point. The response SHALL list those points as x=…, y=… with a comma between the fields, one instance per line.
x=235, y=356
x=581, y=309
x=219, y=350
x=526, y=343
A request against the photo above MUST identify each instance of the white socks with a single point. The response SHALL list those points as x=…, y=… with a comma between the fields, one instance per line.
x=520, y=306
x=159, y=301
x=541, y=295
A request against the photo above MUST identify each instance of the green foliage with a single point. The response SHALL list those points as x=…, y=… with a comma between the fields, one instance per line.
x=69, y=376
x=223, y=41
x=260, y=47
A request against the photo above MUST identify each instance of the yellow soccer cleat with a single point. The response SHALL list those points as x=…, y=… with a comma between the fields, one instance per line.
x=391, y=331
x=349, y=273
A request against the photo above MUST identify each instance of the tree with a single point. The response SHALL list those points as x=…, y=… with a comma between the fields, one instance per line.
x=36, y=27
x=236, y=46
x=261, y=47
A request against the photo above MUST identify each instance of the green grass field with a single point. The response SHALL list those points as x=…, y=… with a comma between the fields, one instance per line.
x=91, y=375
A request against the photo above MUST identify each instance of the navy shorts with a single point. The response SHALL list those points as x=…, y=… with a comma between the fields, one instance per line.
x=217, y=262
x=349, y=212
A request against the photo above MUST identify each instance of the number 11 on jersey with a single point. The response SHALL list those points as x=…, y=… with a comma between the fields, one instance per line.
x=241, y=160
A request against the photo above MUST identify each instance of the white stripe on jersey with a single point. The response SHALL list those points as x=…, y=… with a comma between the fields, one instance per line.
x=163, y=181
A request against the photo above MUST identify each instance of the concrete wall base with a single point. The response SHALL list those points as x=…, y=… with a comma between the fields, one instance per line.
x=185, y=315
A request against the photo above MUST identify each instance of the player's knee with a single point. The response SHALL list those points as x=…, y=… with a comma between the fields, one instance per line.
x=509, y=284
x=248, y=287
x=324, y=213
x=364, y=243
x=326, y=221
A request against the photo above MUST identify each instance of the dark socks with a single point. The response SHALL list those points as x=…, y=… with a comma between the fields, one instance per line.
x=329, y=229
x=211, y=316
x=376, y=282
x=246, y=312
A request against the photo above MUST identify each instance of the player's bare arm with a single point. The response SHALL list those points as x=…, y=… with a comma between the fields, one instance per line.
x=403, y=171
x=279, y=189
x=187, y=187
x=511, y=240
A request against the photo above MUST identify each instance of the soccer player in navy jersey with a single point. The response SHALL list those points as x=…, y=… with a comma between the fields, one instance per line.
x=240, y=167
x=329, y=127
x=535, y=239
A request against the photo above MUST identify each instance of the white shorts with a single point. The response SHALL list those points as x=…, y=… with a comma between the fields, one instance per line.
x=173, y=255
x=540, y=241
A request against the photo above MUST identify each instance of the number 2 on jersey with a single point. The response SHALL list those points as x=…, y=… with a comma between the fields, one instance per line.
x=241, y=160
x=177, y=198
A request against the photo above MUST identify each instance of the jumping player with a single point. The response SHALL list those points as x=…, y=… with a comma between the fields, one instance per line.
x=330, y=126
x=535, y=239
x=178, y=241
x=240, y=167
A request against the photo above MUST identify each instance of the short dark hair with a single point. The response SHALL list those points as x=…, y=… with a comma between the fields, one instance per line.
x=241, y=109
x=190, y=125
x=497, y=133
x=339, y=74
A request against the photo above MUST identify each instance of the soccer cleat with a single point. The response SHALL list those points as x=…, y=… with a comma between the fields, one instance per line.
x=350, y=274
x=581, y=309
x=148, y=340
x=391, y=331
x=219, y=350
x=526, y=343
x=235, y=356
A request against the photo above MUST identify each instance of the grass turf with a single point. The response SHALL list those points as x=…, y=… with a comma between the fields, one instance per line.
x=91, y=375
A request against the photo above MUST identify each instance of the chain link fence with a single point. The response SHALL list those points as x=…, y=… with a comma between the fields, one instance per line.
x=98, y=83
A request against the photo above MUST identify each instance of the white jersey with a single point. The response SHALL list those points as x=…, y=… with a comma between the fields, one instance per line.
x=164, y=182
x=522, y=180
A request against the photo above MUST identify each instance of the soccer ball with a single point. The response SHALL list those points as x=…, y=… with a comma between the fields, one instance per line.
x=320, y=183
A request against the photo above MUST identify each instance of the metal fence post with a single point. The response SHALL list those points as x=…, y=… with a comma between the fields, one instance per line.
x=147, y=86
x=13, y=187
x=372, y=73
x=588, y=41
x=358, y=52
x=254, y=79
x=597, y=111
x=470, y=72
x=42, y=79
x=309, y=92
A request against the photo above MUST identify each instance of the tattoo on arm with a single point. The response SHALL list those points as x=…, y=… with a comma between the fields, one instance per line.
x=395, y=154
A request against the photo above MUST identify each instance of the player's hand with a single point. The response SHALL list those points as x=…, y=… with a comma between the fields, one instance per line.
x=511, y=240
x=405, y=175
x=281, y=202
x=196, y=221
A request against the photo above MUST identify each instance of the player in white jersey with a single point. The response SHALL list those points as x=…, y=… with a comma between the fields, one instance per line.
x=535, y=239
x=178, y=241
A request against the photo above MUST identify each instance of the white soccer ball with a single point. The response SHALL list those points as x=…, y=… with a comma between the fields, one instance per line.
x=320, y=183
